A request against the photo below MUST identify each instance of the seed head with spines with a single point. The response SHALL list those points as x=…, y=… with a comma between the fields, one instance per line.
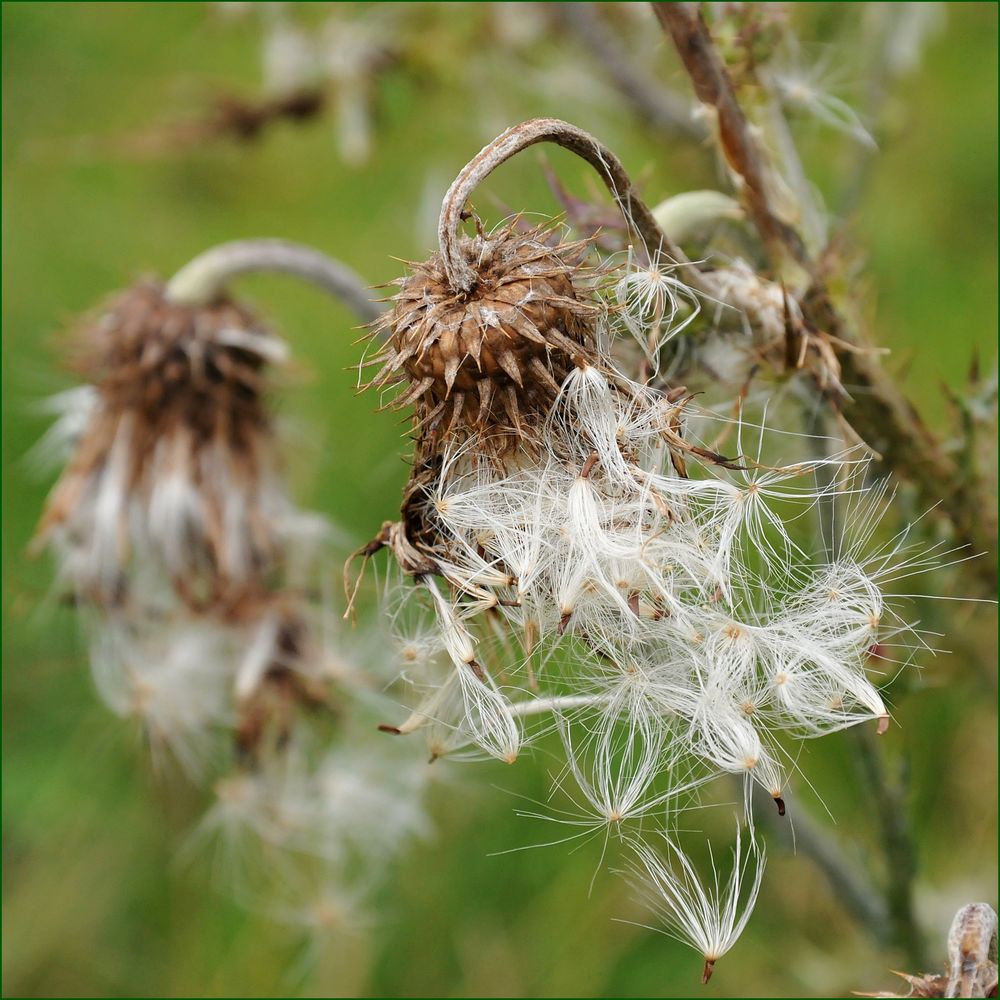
x=489, y=361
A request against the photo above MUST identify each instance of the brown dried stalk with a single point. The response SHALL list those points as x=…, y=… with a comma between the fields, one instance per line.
x=714, y=88
x=230, y=117
x=461, y=275
x=877, y=409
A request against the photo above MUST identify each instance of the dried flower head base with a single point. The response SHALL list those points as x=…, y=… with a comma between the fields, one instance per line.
x=483, y=333
x=488, y=362
x=482, y=336
x=203, y=588
x=972, y=959
x=280, y=676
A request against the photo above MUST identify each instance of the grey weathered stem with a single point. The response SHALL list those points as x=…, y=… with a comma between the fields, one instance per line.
x=205, y=278
x=850, y=884
x=556, y=703
x=461, y=276
x=889, y=801
x=660, y=109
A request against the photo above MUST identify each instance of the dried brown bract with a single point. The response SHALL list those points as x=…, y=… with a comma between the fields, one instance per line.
x=175, y=365
x=489, y=361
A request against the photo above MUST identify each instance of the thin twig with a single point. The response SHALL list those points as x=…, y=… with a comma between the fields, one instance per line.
x=658, y=108
x=898, y=920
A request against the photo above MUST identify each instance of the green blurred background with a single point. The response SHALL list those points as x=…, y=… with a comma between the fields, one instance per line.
x=94, y=901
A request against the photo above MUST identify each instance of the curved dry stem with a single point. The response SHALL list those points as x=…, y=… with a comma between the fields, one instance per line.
x=461, y=275
x=204, y=279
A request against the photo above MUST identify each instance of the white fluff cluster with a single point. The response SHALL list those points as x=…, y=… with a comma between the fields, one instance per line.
x=688, y=597
x=655, y=603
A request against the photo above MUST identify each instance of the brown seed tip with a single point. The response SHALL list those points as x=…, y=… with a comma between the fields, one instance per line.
x=780, y=803
x=883, y=725
x=706, y=973
x=394, y=730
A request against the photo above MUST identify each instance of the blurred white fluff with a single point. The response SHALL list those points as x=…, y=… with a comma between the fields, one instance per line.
x=290, y=57
x=173, y=679
x=73, y=410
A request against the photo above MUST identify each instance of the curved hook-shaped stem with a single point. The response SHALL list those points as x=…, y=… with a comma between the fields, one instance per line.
x=461, y=276
x=205, y=278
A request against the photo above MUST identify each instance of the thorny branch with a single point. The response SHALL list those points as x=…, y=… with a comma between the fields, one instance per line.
x=877, y=409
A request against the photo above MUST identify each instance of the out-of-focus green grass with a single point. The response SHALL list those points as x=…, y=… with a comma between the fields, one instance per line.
x=94, y=901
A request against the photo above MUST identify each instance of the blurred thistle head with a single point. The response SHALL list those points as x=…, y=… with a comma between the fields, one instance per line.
x=174, y=474
x=171, y=462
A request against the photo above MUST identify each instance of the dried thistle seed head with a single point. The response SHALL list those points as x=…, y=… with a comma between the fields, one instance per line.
x=172, y=365
x=174, y=467
x=489, y=361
